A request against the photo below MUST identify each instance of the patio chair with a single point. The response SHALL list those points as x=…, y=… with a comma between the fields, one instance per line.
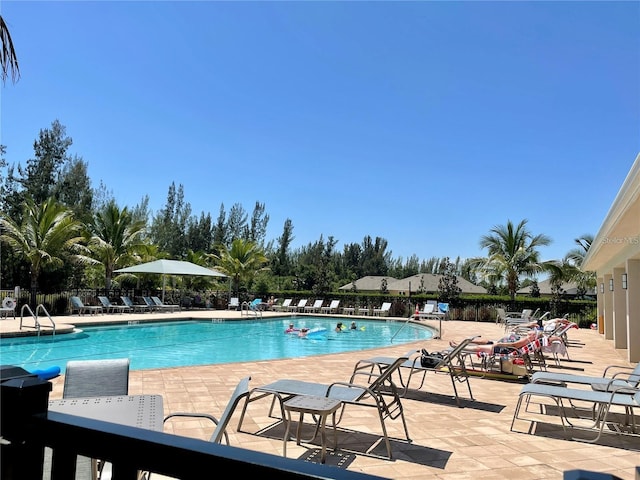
x=383, y=310
x=600, y=403
x=299, y=307
x=284, y=306
x=365, y=388
x=220, y=431
x=95, y=378
x=81, y=308
x=513, y=319
x=164, y=306
x=632, y=379
x=449, y=362
x=317, y=305
x=8, y=307
x=112, y=308
x=234, y=303
x=135, y=307
x=332, y=308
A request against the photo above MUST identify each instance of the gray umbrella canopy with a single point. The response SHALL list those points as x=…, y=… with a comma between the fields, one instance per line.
x=171, y=267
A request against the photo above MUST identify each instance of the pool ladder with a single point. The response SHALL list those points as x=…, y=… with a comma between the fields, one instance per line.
x=245, y=310
x=36, y=320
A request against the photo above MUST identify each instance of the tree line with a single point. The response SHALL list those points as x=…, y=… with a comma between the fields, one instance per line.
x=63, y=233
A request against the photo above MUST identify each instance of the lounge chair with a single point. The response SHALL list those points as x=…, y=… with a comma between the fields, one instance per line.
x=299, y=307
x=426, y=310
x=317, y=305
x=503, y=317
x=164, y=306
x=135, y=307
x=383, y=310
x=8, y=307
x=332, y=308
x=234, y=303
x=431, y=311
x=151, y=304
x=284, y=306
x=81, y=308
x=111, y=308
x=530, y=357
x=95, y=378
x=449, y=361
x=600, y=403
x=365, y=388
x=513, y=319
x=241, y=391
x=632, y=379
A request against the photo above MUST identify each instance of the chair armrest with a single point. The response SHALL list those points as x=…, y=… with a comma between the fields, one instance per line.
x=192, y=415
x=622, y=367
x=196, y=415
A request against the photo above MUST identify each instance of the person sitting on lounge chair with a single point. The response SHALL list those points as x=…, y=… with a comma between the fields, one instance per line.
x=511, y=341
x=547, y=325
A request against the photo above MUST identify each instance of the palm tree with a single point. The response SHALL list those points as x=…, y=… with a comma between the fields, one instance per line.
x=574, y=259
x=8, y=58
x=241, y=262
x=512, y=254
x=48, y=234
x=116, y=239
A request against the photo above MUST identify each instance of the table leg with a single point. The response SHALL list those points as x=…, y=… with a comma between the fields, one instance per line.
x=335, y=433
x=323, y=439
x=299, y=428
x=286, y=433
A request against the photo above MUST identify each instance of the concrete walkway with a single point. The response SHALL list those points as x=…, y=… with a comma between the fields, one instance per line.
x=473, y=442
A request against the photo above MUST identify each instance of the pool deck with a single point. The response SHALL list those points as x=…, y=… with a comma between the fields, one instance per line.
x=448, y=442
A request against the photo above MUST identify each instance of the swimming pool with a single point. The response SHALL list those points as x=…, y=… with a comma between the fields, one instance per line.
x=204, y=342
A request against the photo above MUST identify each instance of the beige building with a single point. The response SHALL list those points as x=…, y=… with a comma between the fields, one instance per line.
x=568, y=288
x=420, y=283
x=615, y=257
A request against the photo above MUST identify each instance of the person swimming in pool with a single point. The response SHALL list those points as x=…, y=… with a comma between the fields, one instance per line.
x=339, y=327
x=353, y=326
x=291, y=329
x=303, y=332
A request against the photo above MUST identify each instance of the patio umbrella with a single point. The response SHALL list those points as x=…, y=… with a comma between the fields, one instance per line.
x=171, y=267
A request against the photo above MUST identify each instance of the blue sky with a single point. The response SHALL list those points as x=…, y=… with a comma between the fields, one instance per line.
x=425, y=123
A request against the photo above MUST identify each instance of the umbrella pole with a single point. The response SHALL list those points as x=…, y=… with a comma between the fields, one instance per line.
x=164, y=281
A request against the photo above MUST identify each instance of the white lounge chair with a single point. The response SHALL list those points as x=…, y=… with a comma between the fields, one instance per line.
x=317, y=305
x=284, y=306
x=299, y=307
x=332, y=308
x=383, y=310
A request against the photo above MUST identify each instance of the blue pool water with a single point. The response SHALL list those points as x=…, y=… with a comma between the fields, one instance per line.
x=204, y=342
